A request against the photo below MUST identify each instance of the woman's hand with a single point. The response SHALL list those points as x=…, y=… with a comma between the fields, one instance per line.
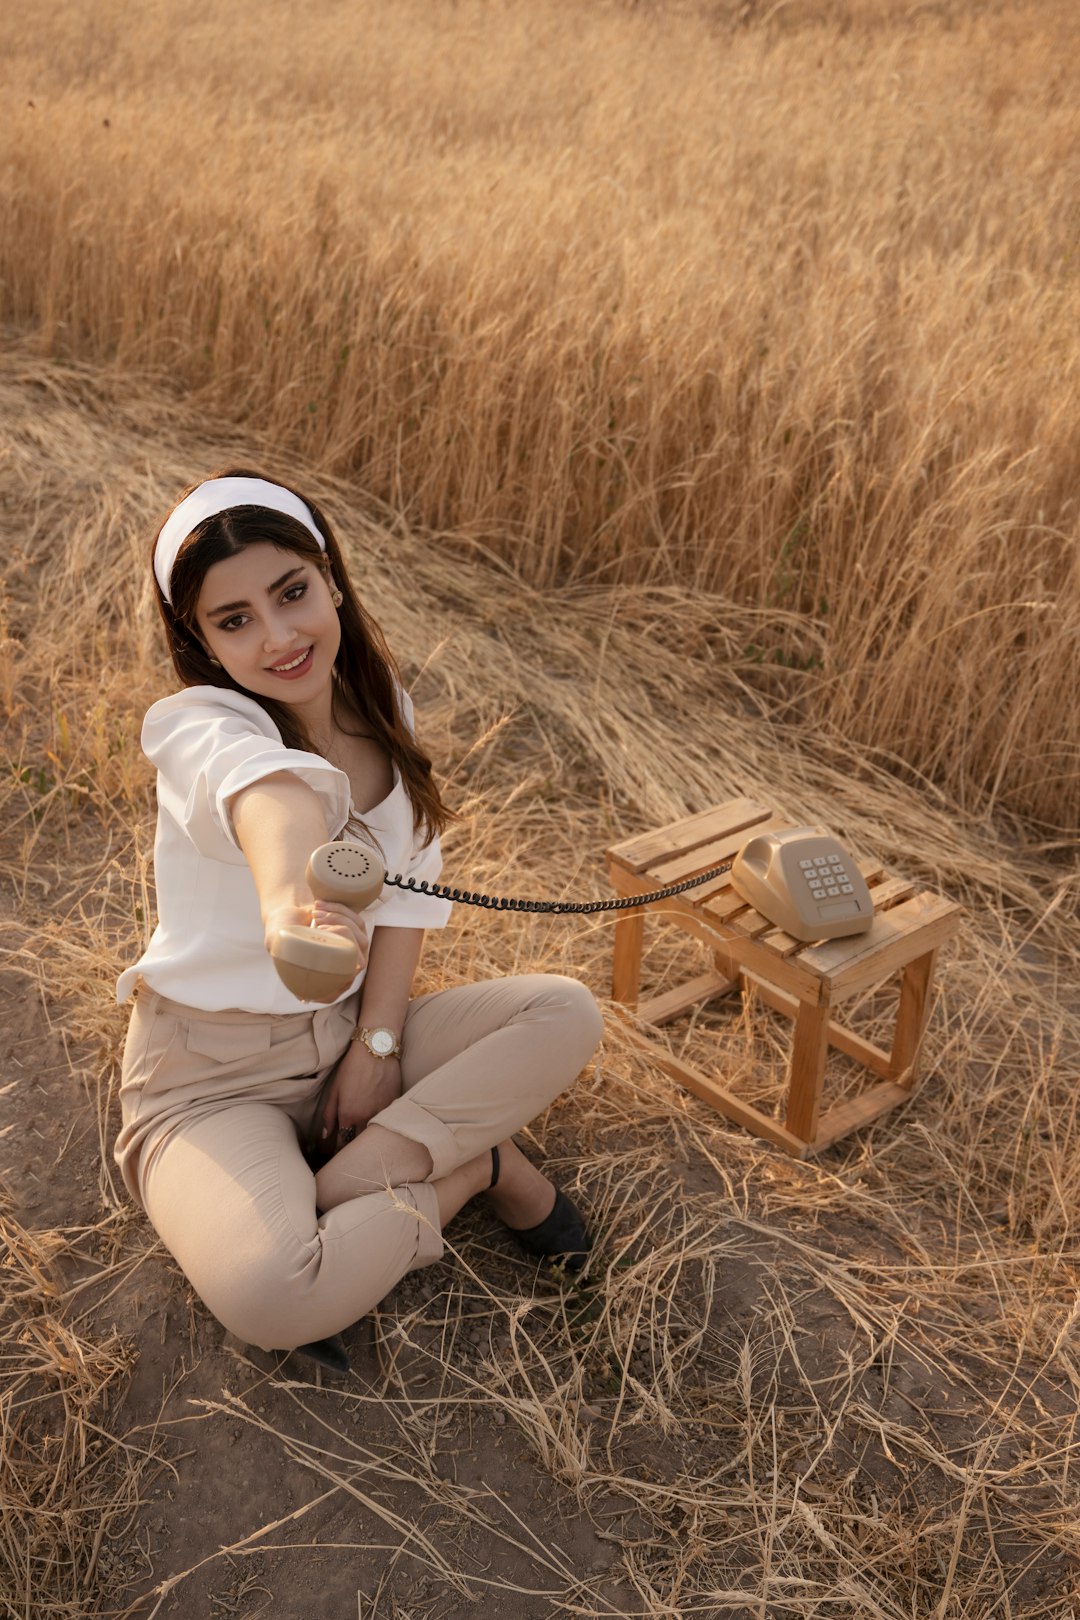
x=362, y=1086
x=333, y=917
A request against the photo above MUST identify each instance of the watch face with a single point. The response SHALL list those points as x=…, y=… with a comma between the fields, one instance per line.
x=382, y=1042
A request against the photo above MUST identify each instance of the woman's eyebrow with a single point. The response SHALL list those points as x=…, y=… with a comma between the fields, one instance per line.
x=234, y=607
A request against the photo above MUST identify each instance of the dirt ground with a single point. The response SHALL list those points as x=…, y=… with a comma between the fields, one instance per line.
x=259, y=1492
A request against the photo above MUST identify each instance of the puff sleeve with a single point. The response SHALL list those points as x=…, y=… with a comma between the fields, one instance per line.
x=207, y=744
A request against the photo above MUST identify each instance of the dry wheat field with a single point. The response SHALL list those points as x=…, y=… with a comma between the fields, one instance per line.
x=696, y=388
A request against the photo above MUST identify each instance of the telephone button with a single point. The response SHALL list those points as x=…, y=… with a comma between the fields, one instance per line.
x=846, y=888
x=832, y=889
x=821, y=860
x=805, y=864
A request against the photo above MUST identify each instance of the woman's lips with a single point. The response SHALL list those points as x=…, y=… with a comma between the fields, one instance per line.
x=291, y=670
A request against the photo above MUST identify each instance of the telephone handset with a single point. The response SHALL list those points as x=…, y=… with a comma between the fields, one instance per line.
x=800, y=880
x=311, y=962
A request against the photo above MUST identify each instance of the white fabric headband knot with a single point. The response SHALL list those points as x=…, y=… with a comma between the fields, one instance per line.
x=218, y=495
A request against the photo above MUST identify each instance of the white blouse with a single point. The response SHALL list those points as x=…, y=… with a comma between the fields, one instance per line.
x=208, y=950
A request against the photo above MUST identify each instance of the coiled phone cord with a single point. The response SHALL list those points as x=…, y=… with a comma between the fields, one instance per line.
x=502, y=902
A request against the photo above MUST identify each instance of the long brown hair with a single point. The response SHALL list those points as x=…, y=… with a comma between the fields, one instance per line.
x=368, y=682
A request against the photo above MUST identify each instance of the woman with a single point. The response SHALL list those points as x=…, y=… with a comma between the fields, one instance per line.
x=292, y=729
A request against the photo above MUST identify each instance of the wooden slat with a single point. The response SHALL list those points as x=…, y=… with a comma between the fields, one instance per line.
x=722, y=907
x=694, y=993
x=750, y=922
x=893, y=939
x=890, y=891
x=710, y=1091
x=862, y=1110
x=783, y=944
x=716, y=850
x=679, y=837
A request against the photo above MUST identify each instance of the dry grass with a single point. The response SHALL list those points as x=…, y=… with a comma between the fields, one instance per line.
x=695, y=387
x=788, y=1390
x=779, y=302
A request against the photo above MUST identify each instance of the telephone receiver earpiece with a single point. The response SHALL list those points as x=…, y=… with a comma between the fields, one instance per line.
x=311, y=962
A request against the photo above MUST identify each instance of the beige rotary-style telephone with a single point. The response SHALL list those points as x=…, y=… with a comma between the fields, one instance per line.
x=801, y=880
x=805, y=882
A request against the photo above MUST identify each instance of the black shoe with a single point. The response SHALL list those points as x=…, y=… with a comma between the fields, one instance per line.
x=560, y=1238
x=329, y=1354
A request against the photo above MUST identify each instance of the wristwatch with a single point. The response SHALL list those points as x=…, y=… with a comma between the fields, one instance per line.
x=381, y=1043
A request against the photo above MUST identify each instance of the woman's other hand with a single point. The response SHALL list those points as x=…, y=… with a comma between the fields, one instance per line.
x=362, y=1086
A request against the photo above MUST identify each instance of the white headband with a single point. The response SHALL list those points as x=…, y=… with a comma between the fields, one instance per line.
x=218, y=495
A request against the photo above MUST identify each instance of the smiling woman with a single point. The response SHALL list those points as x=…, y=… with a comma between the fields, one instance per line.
x=298, y=1162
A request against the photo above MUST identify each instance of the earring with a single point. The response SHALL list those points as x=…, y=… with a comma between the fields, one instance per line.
x=215, y=661
x=336, y=597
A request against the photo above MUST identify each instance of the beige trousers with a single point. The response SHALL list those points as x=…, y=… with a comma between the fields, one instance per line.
x=216, y=1105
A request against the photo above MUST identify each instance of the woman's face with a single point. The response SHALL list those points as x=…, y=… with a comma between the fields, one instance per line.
x=267, y=616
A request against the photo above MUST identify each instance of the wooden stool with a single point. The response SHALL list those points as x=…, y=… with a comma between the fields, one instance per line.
x=802, y=981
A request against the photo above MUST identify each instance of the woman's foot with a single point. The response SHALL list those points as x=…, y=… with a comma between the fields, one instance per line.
x=330, y=1354
x=542, y=1218
x=522, y=1194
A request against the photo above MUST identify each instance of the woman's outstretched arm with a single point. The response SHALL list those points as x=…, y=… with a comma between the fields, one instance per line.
x=278, y=821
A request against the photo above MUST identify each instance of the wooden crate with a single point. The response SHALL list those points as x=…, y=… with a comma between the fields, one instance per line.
x=805, y=982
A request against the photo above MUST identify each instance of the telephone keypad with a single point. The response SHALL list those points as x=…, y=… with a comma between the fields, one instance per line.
x=826, y=876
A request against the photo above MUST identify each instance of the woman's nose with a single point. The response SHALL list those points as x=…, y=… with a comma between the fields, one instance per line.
x=277, y=635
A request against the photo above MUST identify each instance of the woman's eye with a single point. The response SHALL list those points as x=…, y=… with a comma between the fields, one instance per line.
x=294, y=593
x=232, y=624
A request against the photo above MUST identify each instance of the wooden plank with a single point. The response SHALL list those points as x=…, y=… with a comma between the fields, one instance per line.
x=723, y=907
x=718, y=1097
x=694, y=993
x=842, y=1040
x=678, y=837
x=850, y=1116
x=626, y=959
x=783, y=944
x=916, y=987
x=750, y=922
x=893, y=939
x=890, y=891
x=710, y=854
x=809, y=1047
